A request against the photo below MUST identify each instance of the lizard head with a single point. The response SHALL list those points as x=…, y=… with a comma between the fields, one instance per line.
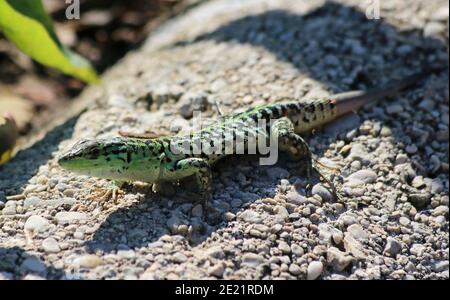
x=105, y=158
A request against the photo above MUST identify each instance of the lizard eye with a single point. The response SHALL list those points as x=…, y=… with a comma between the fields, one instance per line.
x=83, y=144
x=86, y=148
x=94, y=151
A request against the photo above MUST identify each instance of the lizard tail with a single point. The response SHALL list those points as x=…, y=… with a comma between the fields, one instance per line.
x=353, y=100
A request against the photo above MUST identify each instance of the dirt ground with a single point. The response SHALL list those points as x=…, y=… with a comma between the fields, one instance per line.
x=391, y=221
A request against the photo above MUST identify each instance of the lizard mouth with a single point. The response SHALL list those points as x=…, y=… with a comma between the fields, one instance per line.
x=68, y=161
x=73, y=161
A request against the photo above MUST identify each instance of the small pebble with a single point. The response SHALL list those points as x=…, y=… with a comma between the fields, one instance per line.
x=36, y=224
x=50, y=245
x=314, y=270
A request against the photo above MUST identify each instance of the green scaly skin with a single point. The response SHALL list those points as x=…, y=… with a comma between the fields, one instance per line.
x=156, y=160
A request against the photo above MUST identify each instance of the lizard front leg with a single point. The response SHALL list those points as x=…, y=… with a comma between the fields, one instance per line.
x=193, y=167
x=109, y=192
x=288, y=140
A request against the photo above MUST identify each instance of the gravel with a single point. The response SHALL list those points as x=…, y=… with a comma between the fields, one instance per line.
x=264, y=222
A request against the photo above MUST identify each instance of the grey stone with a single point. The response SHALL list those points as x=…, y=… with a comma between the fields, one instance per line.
x=295, y=198
x=441, y=210
x=297, y=250
x=315, y=269
x=393, y=247
x=179, y=258
x=365, y=176
x=251, y=216
x=420, y=200
x=126, y=254
x=61, y=187
x=411, y=149
x=33, y=264
x=36, y=224
x=215, y=252
x=252, y=259
x=295, y=270
x=358, y=152
x=9, y=210
x=394, y=109
x=284, y=247
x=281, y=211
x=326, y=232
x=401, y=159
x=197, y=211
x=348, y=219
x=441, y=14
x=88, y=261
x=427, y=105
x=433, y=28
x=417, y=249
x=435, y=185
x=70, y=217
x=323, y=192
x=354, y=247
x=338, y=260
x=357, y=232
x=191, y=102
x=31, y=201
x=441, y=266
x=217, y=270
x=404, y=221
x=50, y=245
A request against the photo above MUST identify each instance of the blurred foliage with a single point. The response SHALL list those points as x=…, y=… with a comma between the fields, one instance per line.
x=8, y=137
x=30, y=28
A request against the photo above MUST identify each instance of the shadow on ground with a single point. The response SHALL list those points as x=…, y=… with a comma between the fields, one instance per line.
x=332, y=45
x=330, y=33
x=15, y=263
x=144, y=222
x=17, y=172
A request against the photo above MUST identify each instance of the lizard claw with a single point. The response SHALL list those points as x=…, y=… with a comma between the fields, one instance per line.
x=111, y=192
x=312, y=166
x=325, y=179
x=335, y=170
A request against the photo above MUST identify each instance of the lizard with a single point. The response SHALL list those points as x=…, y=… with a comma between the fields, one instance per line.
x=154, y=160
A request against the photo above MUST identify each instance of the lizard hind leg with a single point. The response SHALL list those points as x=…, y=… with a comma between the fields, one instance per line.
x=289, y=141
x=194, y=167
x=324, y=178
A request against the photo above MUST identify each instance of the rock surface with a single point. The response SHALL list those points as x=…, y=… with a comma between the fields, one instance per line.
x=391, y=221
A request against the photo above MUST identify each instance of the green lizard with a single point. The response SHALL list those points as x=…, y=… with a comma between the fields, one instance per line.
x=125, y=159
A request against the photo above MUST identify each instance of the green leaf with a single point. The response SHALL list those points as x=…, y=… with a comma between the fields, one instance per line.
x=30, y=28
